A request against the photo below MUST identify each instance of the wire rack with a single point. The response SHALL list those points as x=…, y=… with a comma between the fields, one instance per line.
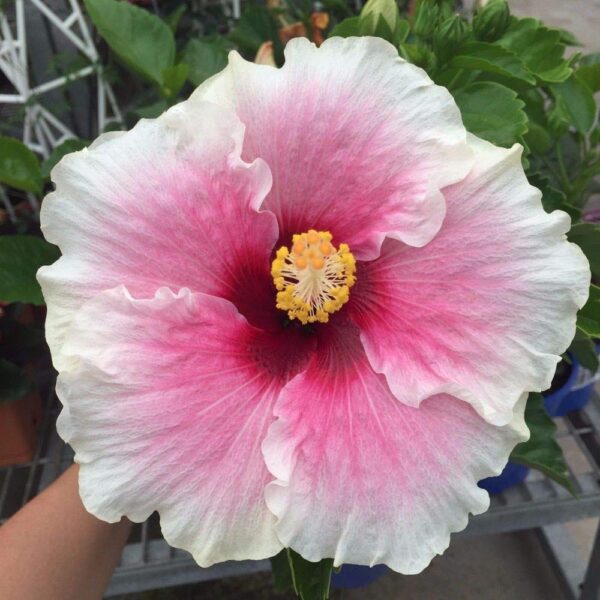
x=148, y=562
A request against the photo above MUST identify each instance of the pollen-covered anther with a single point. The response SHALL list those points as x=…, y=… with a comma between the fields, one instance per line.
x=313, y=279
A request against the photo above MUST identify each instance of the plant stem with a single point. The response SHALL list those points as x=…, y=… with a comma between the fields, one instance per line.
x=562, y=167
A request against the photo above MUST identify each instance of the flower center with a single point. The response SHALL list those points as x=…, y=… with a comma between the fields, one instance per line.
x=313, y=278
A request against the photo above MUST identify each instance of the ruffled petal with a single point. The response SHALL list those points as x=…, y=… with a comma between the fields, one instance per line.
x=484, y=311
x=366, y=479
x=167, y=401
x=359, y=141
x=169, y=203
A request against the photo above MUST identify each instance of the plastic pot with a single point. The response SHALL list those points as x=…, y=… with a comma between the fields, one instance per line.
x=513, y=474
x=19, y=422
x=574, y=394
x=355, y=576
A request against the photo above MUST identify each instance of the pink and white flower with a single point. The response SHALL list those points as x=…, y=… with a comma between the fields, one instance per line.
x=436, y=290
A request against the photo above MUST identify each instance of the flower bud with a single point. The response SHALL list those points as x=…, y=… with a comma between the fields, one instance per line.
x=265, y=55
x=420, y=55
x=449, y=36
x=319, y=22
x=289, y=32
x=491, y=21
x=426, y=17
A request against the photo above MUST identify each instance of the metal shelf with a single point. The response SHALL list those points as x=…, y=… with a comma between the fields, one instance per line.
x=148, y=562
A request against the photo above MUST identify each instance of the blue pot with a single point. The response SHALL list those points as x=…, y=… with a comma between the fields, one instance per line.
x=577, y=398
x=574, y=394
x=557, y=402
x=355, y=576
x=512, y=474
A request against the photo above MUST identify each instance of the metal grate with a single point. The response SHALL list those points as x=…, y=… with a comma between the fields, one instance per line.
x=148, y=562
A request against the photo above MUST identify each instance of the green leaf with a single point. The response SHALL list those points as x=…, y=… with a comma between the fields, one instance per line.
x=151, y=111
x=68, y=146
x=311, y=580
x=587, y=237
x=337, y=5
x=535, y=104
x=577, y=103
x=14, y=383
x=491, y=58
x=143, y=42
x=552, y=198
x=382, y=29
x=492, y=112
x=173, y=79
x=525, y=162
x=205, y=57
x=367, y=25
x=583, y=349
x=173, y=18
x=588, y=318
x=20, y=258
x=19, y=166
x=590, y=59
x=568, y=39
x=537, y=138
x=401, y=32
x=542, y=451
x=349, y=27
x=387, y=9
x=590, y=75
x=540, y=49
x=420, y=55
x=451, y=78
x=256, y=26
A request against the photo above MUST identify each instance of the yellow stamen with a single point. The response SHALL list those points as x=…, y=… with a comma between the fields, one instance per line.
x=314, y=279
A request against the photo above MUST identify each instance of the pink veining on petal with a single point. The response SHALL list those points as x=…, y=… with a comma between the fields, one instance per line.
x=359, y=142
x=167, y=402
x=366, y=479
x=165, y=204
x=486, y=308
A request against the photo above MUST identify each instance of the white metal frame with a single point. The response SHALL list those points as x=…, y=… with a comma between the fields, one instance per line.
x=43, y=130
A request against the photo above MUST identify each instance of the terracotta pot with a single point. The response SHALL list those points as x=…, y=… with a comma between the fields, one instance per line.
x=19, y=424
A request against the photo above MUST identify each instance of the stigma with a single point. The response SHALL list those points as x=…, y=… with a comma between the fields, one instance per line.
x=313, y=278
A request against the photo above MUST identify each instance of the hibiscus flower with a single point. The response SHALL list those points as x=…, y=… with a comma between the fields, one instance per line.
x=303, y=309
